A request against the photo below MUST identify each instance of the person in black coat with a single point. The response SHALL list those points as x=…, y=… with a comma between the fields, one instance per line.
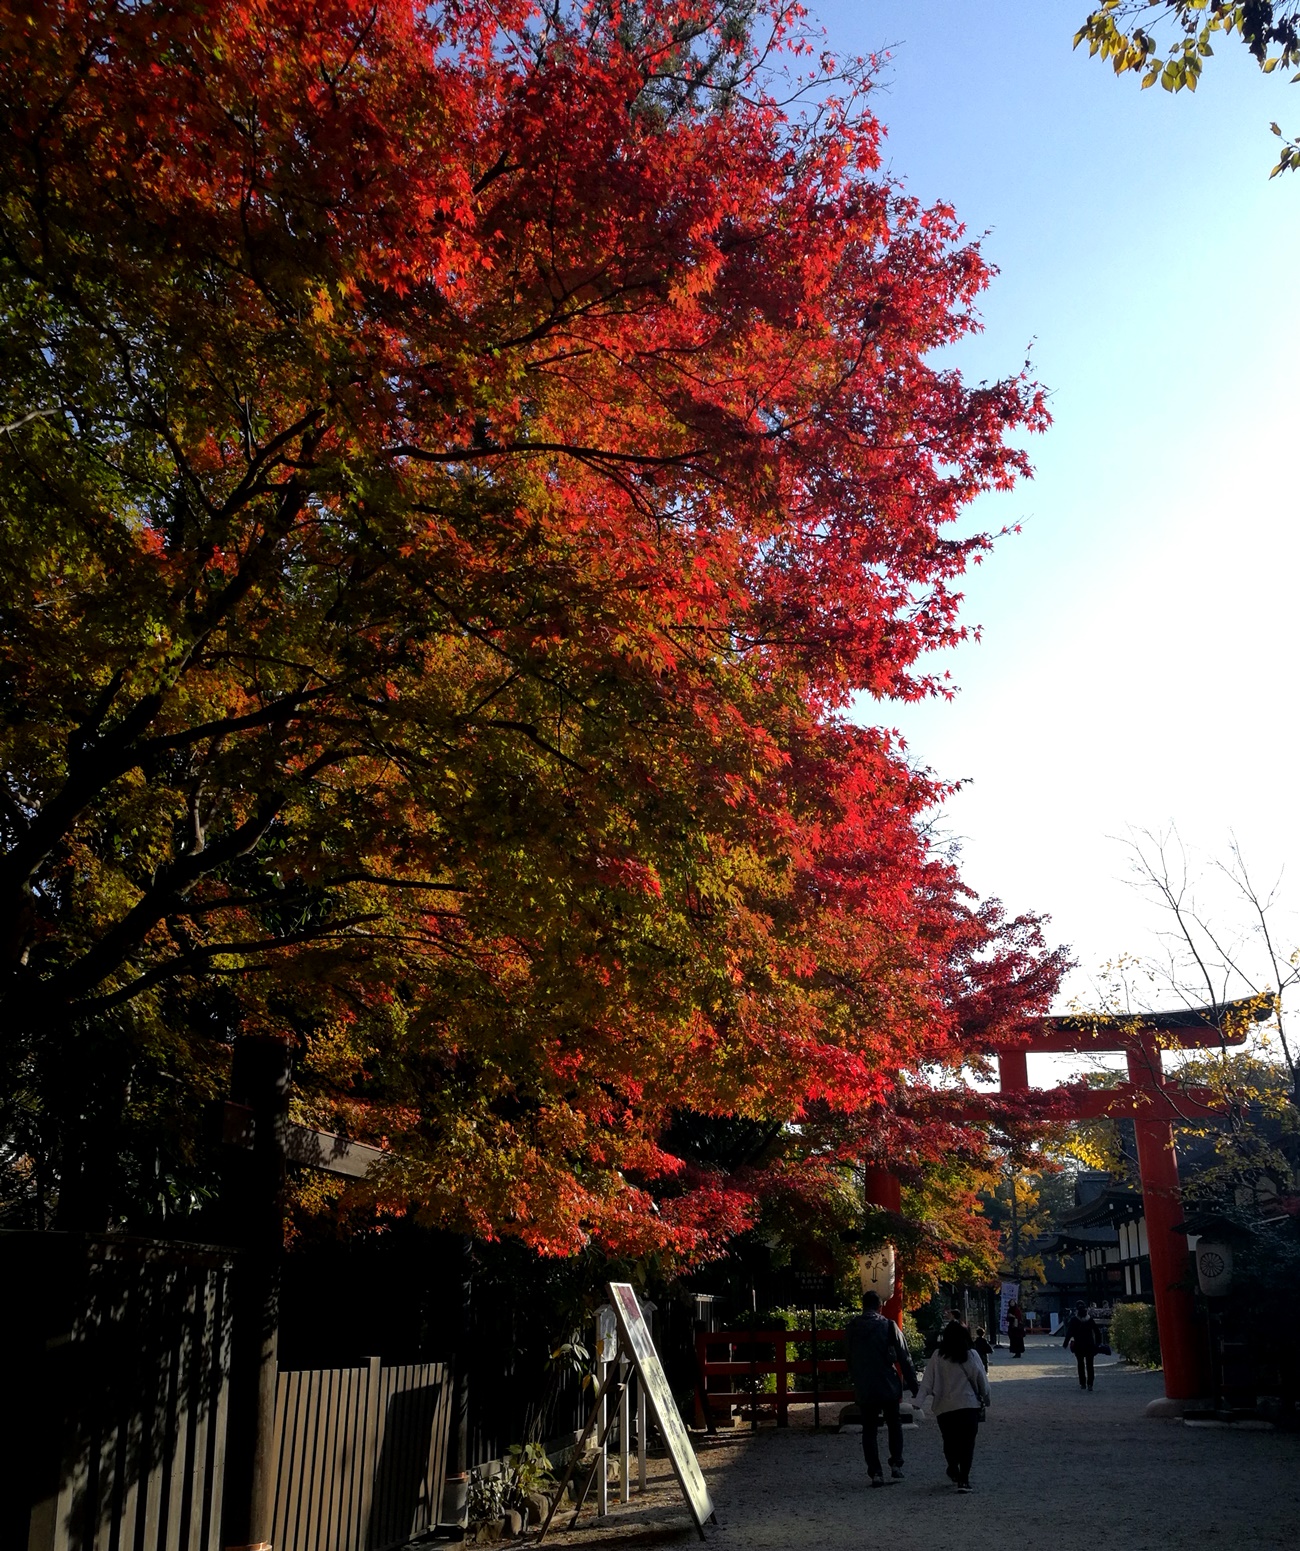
x=877, y=1356
x=1083, y=1337
x=1016, y=1330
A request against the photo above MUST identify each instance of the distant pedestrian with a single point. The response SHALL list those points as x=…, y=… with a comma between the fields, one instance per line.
x=981, y=1345
x=1016, y=1330
x=879, y=1365
x=958, y=1390
x=1083, y=1337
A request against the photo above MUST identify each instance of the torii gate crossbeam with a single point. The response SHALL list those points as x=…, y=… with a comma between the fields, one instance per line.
x=1154, y=1107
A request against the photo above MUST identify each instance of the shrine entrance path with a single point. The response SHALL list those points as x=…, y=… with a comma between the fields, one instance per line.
x=1055, y=1468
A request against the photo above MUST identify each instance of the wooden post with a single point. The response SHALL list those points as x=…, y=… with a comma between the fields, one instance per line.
x=624, y=1437
x=640, y=1436
x=254, y=1203
x=570, y=1471
x=703, y=1410
x=1163, y=1206
x=817, y=1404
x=455, y=1493
x=648, y=1310
x=881, y=1188
x=602, y=1462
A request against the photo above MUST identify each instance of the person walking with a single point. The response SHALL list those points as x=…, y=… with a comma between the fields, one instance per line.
x=981, y=1345
x=1016, y=1330
x=957, y=1388
x=877, y=1356
x=1083, y=1337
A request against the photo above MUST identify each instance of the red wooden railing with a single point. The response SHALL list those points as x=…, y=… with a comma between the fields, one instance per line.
x=764, y=1352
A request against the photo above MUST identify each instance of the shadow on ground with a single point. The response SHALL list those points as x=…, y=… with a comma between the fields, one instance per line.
x=1056, y=1468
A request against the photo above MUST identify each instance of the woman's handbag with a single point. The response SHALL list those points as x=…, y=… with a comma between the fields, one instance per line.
x=983, y=1416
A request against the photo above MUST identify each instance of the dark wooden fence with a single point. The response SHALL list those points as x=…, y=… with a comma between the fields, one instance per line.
x=116, y=1412
x=113, y=1426
x=362, y=1455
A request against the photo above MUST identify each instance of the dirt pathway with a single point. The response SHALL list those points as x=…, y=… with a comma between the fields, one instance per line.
x=1056, y=1469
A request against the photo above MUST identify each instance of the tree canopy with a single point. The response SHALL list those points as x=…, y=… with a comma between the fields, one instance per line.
x=460, y=465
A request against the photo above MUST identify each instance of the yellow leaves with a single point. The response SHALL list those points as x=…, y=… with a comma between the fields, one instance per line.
x=322, y=310
x=336, y=1053
x=1179, y=67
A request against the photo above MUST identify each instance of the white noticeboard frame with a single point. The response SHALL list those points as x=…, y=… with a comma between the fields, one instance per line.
x=654, y=1382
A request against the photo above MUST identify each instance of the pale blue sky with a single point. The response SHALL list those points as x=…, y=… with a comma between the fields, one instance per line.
x=1140, y=637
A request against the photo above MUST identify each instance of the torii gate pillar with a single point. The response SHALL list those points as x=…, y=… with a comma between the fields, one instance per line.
x=882, y=1189
x=1162, y=1205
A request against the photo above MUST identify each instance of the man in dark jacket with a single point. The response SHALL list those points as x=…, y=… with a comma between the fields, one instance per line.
x=877, y=1353
x=1083, y=1337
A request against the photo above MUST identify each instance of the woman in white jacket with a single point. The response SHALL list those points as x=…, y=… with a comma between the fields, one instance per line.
x=958, y=1390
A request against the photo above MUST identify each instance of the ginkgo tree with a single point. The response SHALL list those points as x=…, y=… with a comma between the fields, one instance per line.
x=460, y=464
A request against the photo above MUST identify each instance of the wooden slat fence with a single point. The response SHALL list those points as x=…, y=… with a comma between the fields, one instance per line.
x=123, y=1401
x=362, y=1455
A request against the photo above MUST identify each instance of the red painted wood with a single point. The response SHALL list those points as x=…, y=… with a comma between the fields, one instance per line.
x=1013, y=1068
x=881, y=1188
x=1049, y=1040
x=1128, y=1102
x=1162, y=1205
x=783, y=1368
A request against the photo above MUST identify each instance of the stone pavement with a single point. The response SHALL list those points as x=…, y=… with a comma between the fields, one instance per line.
x=1055, y=1468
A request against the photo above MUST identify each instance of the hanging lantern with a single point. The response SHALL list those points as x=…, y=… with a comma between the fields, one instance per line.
x=876, y=1272
x=1214, y=1267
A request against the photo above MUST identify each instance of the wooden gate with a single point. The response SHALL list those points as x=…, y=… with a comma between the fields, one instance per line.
x=362, y=1455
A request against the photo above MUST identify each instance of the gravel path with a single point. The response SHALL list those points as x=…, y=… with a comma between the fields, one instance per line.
x=1055, y=1469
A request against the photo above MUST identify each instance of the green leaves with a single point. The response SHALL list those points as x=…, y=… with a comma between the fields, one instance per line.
x=1289, y=157
x=428, y=615
x=1177, y=64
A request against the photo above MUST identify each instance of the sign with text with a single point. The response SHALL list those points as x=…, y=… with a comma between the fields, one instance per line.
x=636, y=1338
x=814, y=1287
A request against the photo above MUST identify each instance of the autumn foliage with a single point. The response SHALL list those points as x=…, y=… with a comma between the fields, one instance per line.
x=462, y=464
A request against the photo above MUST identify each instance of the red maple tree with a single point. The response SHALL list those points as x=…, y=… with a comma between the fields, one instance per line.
x=463, y=463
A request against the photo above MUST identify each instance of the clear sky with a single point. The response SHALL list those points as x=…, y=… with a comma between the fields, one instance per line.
x=1139, y=656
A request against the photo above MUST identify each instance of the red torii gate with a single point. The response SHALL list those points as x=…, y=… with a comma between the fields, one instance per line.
x=1154, y=1106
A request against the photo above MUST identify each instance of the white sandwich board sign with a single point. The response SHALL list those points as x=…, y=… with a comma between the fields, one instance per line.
x=636, y=1338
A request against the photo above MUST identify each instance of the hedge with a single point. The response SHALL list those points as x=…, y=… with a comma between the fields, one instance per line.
x=1133, y=1334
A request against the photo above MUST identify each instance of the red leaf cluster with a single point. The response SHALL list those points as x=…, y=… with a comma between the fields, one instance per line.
x=483, y=450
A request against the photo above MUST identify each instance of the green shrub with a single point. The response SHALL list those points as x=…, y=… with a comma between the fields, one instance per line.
x=529, y=1474
x=487, y=1498
x=1133, y=1334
